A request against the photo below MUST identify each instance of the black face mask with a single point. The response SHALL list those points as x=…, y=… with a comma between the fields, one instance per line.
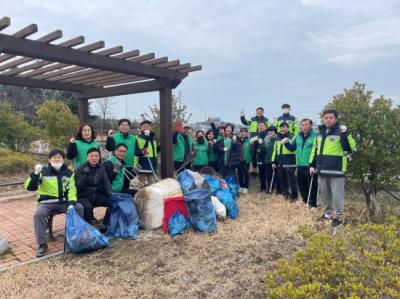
x=200, y=139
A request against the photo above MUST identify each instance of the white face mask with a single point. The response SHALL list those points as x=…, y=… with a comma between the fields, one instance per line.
x=286, y=110
x=56, y=166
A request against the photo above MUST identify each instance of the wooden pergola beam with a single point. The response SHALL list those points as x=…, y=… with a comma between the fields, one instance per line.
x=4, y=22
x=147, y=86
x=28, y=82
x=35, y=49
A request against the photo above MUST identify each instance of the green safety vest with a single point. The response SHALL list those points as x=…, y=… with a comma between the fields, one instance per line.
x=246, y=151
x=50, y=181
x=179, y=148
x=81, y=153
x=282, y=156
x=292, y=121
x=130, y=142
x=152, y=149
x=212, y=154
x=201, y=158
x=303, y=150
x=118, y=181
x=253, y=124
x=328, y=151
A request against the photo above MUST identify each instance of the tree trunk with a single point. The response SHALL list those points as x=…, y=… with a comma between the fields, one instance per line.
x=371, y=199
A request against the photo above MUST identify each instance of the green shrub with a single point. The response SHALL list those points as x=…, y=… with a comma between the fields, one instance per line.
x=358, y=262
x=14, y=162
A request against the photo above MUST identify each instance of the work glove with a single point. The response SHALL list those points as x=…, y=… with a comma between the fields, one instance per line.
x=343, y=128
x=273, y=167
x=254, y=139
x=260, y=141
x=110, y=133
x=117, y=166
x=285, y=140
x=38, y=168
x=72, y=140
x=147, y=132
x=242, y=113
x=209, y=120
x=178, y=127
x=226, y=149
x=312, y=171
x=145, y=151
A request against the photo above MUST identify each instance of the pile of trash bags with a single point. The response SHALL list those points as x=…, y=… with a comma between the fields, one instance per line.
x=207, y=197
x=81, y=237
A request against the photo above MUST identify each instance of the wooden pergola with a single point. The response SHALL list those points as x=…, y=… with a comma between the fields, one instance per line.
x=91, y=71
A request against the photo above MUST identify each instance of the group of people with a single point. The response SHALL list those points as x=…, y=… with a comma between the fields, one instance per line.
x=288, y=156
x=92, y=182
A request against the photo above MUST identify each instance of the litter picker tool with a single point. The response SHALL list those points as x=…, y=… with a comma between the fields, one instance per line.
x=152, y=168
x=309, y=190
x=272, y=182
x=187, y=162
x=131, y=177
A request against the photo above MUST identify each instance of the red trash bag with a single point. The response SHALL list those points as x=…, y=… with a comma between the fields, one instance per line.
x=172, y=205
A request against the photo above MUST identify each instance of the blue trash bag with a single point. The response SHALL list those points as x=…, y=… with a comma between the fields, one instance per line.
x=186, y=181
x=202, y=214
x=80, y=236
x=177, y=224
x=124, y=219
x=233, y=186
x=213, y=183
x=226, y=197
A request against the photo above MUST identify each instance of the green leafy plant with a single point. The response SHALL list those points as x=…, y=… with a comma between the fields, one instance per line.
x=14, y=162
x=359, y=262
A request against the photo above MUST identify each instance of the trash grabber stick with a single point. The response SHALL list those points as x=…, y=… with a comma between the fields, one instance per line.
x=152, y=168
x=309, y=190
x=190, y=159
x=272, y=182
x=126, y=172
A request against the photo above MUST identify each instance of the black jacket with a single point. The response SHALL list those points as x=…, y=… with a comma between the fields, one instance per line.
x=235, y=153
x=144, y=161
x=91, y=180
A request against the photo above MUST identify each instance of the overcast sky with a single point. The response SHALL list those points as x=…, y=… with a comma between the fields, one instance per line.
x=254, y=53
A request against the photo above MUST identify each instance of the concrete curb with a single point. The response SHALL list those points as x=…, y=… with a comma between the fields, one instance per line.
x=3, y=269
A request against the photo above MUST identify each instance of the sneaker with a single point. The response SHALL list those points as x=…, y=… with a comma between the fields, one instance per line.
x=313, y=209
x=41, y=251
x=324, y=217
x=245, y=191
x=241, y=190
x=336, y=223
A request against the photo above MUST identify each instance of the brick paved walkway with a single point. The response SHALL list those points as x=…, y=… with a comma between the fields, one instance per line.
x=16, y=224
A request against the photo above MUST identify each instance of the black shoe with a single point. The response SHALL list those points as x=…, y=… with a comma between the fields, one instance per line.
x=293, y=200
x=336, y=223
x=324, y=218
x=41, y=251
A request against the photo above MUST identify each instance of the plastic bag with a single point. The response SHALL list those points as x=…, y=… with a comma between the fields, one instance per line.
x=219, y=207
x=186, y=181
x=198, y=179
x=226, y=197
x=80, y=236
x=201, y=210
x=233, y=186
x=177, y=224
x=213, y=183
x=124, y=219
x=172, y=205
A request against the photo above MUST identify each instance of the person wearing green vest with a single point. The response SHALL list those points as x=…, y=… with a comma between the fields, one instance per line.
x=183, y=147
x=148, y=145
x=200, y=147
x=245, y=160
x=116, y=170
x=212, y=153
x=331, y=149
x=269, y=150
x=286, y=117
x=284, y=162
x=78, y=146
x=303, y=144
x=129, y=140
x=253, y=125
x=218, y=132
x=56, y=191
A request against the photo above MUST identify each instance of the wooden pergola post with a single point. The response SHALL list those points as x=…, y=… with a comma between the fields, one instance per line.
x=167, y=163
x=83, y=110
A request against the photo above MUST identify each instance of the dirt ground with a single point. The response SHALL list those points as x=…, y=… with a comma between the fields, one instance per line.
x=229, y=264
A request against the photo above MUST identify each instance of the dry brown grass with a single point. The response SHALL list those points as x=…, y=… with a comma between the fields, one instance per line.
x=229, y=264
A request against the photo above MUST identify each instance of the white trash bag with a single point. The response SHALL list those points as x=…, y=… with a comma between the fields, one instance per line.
x=219, y=207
